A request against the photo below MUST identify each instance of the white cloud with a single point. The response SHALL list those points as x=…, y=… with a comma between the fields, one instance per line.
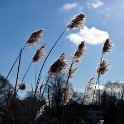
x=69, y=6
x=95, y=4
x=89, y=35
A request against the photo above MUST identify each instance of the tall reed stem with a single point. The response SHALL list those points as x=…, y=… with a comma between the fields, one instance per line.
x=14, y=63
x=69, y=74
x=18, y=71
x=45, y=86
x=26, y=71
x=39, y=76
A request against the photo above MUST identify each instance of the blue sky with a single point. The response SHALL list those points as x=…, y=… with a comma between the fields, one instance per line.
x=18, y=19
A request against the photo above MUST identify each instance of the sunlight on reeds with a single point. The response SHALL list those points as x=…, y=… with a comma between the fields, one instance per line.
x=58, y=65
x=39, y=53
x=103, y=67
x=107, y=47
x=67, y=95
x=77, y=21
x=21, y=86
x=60, y=92
x=80, y=52
x=35, y=37
x=40, y=112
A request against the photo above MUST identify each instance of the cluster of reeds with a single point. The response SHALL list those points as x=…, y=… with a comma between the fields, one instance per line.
x=60, y=65
x=32, y=40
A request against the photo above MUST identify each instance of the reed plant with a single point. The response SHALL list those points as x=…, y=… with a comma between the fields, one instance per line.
x=103, y=64
x=59, y=65
x=36, y=58
x=33, y=39
x=78, y=21
x=76, y=57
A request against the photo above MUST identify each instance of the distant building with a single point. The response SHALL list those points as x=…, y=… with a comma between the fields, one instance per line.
x=31, y=106
x=92, y=114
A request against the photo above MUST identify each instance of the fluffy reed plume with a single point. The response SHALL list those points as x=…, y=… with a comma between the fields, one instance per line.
x=40, y=112
x=34, y=37
x=101, y=122
x=77, y=21
x=72, y=71
x=21, y=86
x=11, y=91
x=67, y=95
x=88, y=94
x=91, y=84
x=39, y=53
x=79, y=52
x=107, y=46
x=103, y=67
x=58, y=65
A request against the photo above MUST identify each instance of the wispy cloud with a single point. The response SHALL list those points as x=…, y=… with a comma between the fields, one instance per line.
x=91, y=36
x=69, y=6
x=95, y=4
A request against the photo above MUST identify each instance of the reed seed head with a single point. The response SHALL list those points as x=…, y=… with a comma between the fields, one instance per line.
x=107, y=46
x=72, y=71
x=21, y=86
x=58, y=65
x=12, y=91
x=39, y=53
x=88, y=96
x=40, y=112
x=79, y=53
x=101, y=122
x=67, y=94
x=103, y=67
x=77, y=21
x=91, y=84
x=35, y=37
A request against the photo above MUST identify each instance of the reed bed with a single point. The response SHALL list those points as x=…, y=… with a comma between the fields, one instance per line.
x=60, y=66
